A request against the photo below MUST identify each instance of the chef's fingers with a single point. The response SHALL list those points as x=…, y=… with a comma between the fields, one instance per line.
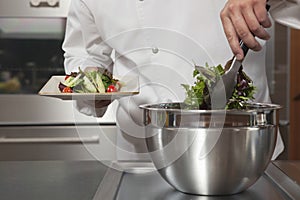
x=231, y=35
x=245, y=20
x=236, y=28
x=243, y=31
x=255, y=28
x=261, y=14
x=254, y=22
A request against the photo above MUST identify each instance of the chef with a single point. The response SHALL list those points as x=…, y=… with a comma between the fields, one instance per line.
x=159, y=42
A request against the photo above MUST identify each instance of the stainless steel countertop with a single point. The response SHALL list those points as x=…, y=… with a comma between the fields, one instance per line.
x=55, y=180
x=152, y=187
x=290, y=168
x=61, y=180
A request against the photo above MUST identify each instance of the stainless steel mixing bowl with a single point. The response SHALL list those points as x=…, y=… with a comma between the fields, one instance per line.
x=210, y=152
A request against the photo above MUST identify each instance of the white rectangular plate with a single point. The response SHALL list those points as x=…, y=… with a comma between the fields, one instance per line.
x=130, y=86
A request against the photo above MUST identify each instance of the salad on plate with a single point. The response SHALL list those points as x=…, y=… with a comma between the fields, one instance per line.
x=94, y=80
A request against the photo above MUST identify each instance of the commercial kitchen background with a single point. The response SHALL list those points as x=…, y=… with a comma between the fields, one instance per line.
x=40, y=128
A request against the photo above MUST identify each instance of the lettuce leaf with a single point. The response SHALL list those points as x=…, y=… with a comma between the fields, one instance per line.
x=198, y=97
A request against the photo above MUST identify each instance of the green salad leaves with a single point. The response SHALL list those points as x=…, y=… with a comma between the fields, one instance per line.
x=198, y=97
x=98, y=80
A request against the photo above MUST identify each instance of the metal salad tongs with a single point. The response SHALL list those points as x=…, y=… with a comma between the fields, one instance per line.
x=224, y=87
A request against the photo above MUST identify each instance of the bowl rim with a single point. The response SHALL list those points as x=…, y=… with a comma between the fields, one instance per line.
x=252, y=108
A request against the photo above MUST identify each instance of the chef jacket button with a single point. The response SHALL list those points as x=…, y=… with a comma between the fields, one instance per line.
x=155, y=50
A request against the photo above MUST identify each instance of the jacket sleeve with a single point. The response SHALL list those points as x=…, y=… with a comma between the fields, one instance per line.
x=83, y=45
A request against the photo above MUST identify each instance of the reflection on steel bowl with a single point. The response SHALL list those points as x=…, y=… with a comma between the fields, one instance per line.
x=210, y=152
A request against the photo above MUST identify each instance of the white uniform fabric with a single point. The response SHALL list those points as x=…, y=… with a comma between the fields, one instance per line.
x=159, y=41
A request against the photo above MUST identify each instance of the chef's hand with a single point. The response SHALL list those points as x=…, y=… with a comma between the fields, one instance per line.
x=245, y=19
x=94, y=108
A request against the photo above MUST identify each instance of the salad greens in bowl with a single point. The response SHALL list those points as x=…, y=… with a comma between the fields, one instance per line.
x=198, y=95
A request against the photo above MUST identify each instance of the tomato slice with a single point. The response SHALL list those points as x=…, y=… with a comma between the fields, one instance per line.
x=67, y=90
x=111, y=88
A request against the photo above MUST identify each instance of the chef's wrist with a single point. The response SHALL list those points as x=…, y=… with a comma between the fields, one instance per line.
x=92, y=107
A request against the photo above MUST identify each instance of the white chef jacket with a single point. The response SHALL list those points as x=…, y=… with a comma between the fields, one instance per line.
x=159, y=41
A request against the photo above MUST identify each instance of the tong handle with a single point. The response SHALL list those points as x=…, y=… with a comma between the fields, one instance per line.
x=244, y=47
